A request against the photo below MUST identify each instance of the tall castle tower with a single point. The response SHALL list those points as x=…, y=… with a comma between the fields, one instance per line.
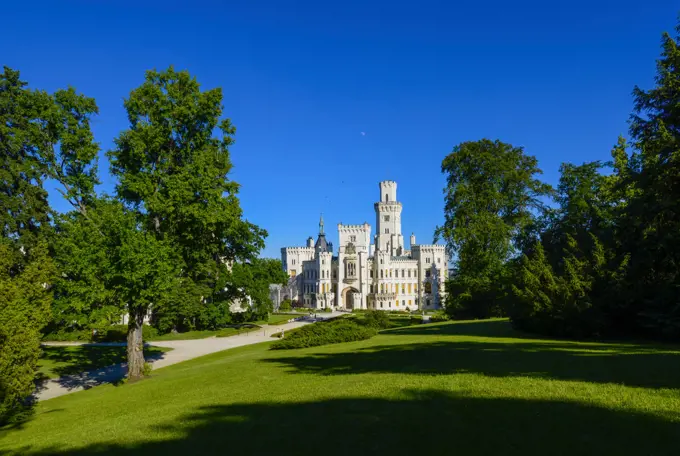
x=388, y=220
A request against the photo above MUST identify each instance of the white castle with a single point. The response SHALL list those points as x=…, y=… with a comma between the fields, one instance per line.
x=382, y=275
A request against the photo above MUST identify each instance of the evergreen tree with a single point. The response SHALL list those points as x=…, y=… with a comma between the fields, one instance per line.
x=41, y=136
x=650, y=226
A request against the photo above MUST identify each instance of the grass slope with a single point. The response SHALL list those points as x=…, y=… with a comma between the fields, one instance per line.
x=469, y=388
x=64, y=360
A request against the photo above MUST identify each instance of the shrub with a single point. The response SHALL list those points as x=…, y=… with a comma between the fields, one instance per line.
x=376, y=319
x=115, y=333
x=64, y=335
x=324, y=333
x=118, y=333
x=416, y=319
x=286, y=305
x=439, y=316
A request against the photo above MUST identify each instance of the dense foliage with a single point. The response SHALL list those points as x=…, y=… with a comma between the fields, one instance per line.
x=605, y=259
x=490, y=195
x=323, y=333
x=171, y=244
x=173, y=171
x=42, y=136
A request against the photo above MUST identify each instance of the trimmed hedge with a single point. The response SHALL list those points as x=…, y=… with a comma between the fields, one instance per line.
x=323, y=333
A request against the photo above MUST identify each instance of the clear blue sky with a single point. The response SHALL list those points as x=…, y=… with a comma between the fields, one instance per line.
x=303, y=80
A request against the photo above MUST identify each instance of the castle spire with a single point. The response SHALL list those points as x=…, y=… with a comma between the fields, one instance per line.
x=321, y=224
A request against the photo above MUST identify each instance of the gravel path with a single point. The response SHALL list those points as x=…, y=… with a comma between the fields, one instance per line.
x=182, y=350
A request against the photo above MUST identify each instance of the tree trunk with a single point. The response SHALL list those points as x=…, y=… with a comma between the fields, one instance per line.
x=135, y=346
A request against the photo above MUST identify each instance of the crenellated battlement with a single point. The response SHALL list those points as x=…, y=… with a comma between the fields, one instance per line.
x=298, y=249
x=428, y=247
x=346, y=228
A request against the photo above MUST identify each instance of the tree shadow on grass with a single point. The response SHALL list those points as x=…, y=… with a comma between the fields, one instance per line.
x=600, y=363
x=70, y=360
x=421, y=423
x=483, y=328
x=87, y=366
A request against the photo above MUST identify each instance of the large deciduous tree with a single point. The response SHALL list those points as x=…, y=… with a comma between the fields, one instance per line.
x=173, y=171
x=491, y=197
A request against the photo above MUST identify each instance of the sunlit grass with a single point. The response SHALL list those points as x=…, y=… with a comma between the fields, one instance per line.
x=453, y=388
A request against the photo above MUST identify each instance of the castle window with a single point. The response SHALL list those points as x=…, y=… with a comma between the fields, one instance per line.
x=387, y=218
x=439, y=260
x=323, y=261
x=292, y=272
x=381, y=305
x=403, y=303
x=293, y=261
x=381, y=261
x=371, y=273
x=427, y=273
x=387, y=231
x=409, y=273
x=403, y=288
x=381, y=274
x=427, y=260
x=402, y=273
x=387, y=197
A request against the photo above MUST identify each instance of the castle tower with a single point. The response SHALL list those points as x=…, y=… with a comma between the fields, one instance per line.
x=388, y=220
x=413, y=239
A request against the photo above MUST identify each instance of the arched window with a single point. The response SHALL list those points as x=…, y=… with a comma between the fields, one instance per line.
x=387, y=197
x=381, y=273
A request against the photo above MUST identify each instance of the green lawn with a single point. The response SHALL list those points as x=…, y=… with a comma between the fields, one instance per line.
x=467, y=388
x=275, y=319
x=224, y=332
x=189, y=335
x=58, y=361
x=279, y=319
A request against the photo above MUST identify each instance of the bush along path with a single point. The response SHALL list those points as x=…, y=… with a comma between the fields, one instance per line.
x=182, y=350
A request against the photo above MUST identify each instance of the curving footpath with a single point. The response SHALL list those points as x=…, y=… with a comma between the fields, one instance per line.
x=182, y=350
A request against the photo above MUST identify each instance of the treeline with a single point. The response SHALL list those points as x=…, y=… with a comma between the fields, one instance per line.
x=171, y=242
x=597, y=256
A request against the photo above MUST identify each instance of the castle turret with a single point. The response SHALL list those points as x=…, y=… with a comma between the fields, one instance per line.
x=413, y=239
x=388, y=220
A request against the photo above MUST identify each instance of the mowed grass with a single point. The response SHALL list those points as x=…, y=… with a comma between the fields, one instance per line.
x=274, y=319
x=57, y=361
x=468, y=388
